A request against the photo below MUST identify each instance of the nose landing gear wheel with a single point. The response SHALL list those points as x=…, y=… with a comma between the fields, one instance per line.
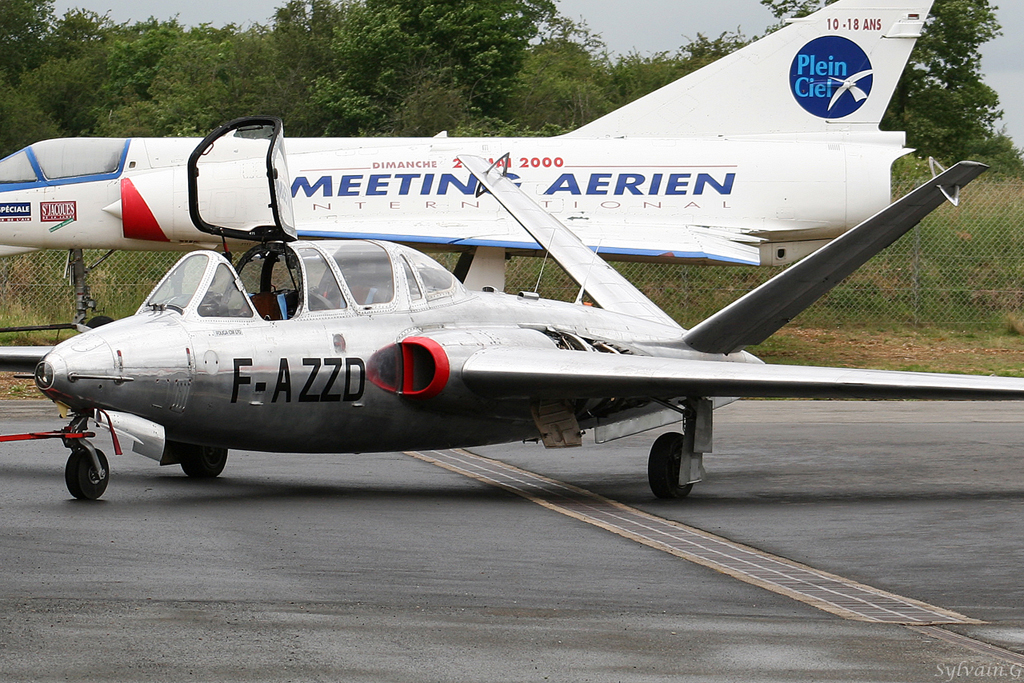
x=663, y=466
x=83, y=480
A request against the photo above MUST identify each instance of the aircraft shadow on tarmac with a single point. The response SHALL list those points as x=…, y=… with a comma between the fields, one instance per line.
x=174, y=489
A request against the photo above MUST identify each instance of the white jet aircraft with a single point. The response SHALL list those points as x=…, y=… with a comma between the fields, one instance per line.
x=758, y=158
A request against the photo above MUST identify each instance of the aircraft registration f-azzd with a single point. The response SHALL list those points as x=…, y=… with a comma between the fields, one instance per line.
x=758, y=158
x=369, y=346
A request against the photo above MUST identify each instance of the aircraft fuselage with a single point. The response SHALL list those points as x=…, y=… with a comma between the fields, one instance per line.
x=348, y=380
x=631, y=199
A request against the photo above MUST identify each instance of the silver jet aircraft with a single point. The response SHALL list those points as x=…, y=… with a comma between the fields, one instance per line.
x=369, y=346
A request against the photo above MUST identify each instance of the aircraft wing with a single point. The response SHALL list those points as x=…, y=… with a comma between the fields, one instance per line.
x=608, y=288
x=21, y=358
x=15, y=251
x=624, y=239
x=756, y=316
x=504, y=373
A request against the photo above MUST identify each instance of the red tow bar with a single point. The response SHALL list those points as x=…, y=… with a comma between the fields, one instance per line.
x=31, y=436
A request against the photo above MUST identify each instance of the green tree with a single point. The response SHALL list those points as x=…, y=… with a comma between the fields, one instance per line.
x=133, y=59
x=41, y=81
x=793, y=8
x=186, y=82
x=410, y=66
x=300, y=53
x=69, y=86
x=564, y=81
x=22, y=120
x=634, y=76
x=24, y=26
x=942, y=102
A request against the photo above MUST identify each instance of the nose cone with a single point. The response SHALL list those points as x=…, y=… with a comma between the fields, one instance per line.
x=78, y=372
x=45, y=374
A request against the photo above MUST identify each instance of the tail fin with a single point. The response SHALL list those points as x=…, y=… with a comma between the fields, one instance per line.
x=834, y=70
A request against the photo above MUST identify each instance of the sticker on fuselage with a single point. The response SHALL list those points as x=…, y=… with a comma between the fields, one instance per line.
x=15, y=211
x=831, y=77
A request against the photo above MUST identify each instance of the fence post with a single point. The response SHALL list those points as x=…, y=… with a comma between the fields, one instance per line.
x=917, y=274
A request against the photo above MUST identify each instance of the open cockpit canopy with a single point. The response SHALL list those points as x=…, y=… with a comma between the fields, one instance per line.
x=238, y=182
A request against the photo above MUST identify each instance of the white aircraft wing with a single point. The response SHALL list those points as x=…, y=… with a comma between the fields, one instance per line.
x=15, y=251
x=608, y=288
x=504, y=373
x=623, y=239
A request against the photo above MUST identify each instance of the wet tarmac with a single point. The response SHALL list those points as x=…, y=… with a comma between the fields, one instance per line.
x=386, y=567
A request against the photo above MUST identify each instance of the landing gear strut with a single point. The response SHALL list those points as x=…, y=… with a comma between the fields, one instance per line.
x=664, y=465
x=78, y=272
x=676, y=461
x=84, y=303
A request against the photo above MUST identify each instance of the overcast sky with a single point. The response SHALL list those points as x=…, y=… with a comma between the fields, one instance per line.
x=646, y=26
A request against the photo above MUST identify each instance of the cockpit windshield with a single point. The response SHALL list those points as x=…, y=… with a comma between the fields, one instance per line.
x=74, y=157
x=323, y=291
x=17, y=169
x=343, y=277
x=63, y=159
x=181, y=284
x=437, y=281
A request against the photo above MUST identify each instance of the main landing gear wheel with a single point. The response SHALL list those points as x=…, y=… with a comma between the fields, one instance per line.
x=663, y=467
x=201, y=462
x=83, y=480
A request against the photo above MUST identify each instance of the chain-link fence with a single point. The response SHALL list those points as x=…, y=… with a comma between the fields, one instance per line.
x=962, y=266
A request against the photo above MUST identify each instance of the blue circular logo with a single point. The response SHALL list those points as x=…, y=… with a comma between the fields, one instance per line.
x=831, y=77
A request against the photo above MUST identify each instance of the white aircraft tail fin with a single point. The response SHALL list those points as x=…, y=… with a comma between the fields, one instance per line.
x=834, y=70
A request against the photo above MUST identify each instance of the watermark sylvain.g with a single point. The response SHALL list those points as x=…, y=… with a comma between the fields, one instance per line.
x=969, y=671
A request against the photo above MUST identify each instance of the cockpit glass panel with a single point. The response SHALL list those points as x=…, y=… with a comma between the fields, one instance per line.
x=223, y=298
x=17, y=169
x=366, y=268
x=181, y=283
x=415, y=293
x=436, y=280
x=323, y=293
x=74, y=157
